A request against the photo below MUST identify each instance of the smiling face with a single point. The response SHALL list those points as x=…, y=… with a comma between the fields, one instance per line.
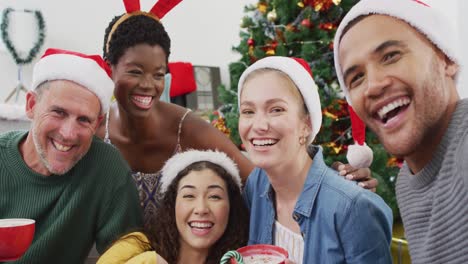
x=201, y=209
x=399, y=83
x=64, y=119
x=139, y=78
x=272, y=119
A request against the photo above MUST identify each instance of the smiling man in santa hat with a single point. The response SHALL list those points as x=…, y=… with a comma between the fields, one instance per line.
x=397, y=61
x=77, y=188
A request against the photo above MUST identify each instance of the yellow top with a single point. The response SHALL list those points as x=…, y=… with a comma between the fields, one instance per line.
x=130, y=249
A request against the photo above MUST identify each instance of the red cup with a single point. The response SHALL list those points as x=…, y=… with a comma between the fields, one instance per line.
x=16, y=235
x=262, y=252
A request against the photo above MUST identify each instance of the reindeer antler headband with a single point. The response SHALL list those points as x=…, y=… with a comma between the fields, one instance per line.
x=159, y=10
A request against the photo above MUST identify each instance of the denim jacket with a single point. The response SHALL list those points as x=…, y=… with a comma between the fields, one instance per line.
x=339, y=221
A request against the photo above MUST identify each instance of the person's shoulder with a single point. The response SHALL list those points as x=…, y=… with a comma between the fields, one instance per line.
x=98, y=145
x=257, y=180
x=171, y=110
x=129, y=249
x=338, y=185
x=174, y=115
x=106, y=155
x=337, y=192
x=7, y=138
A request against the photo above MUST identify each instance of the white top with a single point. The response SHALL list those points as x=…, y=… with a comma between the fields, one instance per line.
x=292, y=242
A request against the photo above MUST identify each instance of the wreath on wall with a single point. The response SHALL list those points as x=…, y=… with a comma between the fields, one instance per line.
x=9, y=45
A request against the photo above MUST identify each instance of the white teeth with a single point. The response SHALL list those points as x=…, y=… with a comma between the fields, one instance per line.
x=201, y=225
x=263, y=142
x=391, y=106
x=142, y=99
x=61, y=147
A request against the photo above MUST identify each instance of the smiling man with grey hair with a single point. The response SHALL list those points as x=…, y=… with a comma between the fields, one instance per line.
x=77, y=188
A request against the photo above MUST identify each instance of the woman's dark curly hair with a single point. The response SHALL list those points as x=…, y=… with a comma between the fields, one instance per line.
x=162, y=231
x=138, y=29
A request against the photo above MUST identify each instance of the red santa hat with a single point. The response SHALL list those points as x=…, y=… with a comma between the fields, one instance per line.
x=359, y=154
x=182, y=160
x=89, y=71
x=427, y=20
x=299, y=72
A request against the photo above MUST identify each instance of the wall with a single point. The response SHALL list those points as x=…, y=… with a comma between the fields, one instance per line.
x=203, y=31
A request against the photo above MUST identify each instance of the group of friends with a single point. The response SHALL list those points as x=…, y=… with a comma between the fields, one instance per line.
x=150, y=182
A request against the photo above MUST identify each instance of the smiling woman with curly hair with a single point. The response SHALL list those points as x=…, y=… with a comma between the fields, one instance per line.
x=201, y=215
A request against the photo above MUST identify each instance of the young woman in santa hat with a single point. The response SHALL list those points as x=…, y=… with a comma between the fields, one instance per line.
x=201, y=214
x=296, y=201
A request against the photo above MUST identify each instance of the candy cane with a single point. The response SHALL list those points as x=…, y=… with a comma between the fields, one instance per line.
x=232, y=254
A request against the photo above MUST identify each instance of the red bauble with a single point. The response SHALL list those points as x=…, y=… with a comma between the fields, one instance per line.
x=306, y=23
x=327, y=26
x=251, y=42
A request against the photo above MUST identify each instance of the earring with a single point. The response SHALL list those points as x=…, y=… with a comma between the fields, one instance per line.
x=302, y=140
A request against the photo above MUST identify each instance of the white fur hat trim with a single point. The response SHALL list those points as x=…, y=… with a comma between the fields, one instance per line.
x=83, y=71
x=182, y=160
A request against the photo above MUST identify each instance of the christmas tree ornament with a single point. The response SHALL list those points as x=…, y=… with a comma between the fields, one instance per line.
x=306, y=23
x=359, y=155
x=262, y=7
x=329, y=114
x=243, y=22
x=394, y=162
x=323, y=5
x=251, y=50
x=336, y=110
x=270, y=52
x=272, y=16
x=300, y=4
x=290, y=27
x=220, y=124
x=327, y=26
x=251, y=42
x=273, y=44
x=336, y=148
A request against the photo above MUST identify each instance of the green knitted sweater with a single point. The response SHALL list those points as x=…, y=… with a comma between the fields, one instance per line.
x=96, y=201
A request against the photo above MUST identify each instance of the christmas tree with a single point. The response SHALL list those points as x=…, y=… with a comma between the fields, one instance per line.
x=305, y=29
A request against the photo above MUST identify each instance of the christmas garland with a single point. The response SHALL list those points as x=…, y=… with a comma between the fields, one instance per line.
x=9, y=45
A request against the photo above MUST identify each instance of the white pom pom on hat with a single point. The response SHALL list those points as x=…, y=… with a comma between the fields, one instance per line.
x=89, y=71
x=359, y=155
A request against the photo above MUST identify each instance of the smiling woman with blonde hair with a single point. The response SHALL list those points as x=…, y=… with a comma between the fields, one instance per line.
x=296, y=201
